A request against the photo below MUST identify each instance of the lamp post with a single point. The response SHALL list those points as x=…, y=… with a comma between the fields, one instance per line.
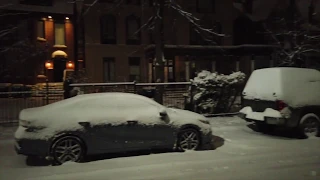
x=77, y=15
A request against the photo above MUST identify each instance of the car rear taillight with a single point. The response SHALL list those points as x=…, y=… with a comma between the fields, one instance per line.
x=281, y=105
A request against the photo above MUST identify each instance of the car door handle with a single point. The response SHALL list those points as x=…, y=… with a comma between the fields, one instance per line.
x=132, y=122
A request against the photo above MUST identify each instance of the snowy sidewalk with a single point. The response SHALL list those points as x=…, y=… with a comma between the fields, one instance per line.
x=245, y=154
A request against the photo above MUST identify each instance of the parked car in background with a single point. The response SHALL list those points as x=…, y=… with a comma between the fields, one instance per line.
x=102, y=123
x=283, y=96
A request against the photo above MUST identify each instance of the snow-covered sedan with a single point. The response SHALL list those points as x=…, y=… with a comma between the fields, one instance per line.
x=102, y=123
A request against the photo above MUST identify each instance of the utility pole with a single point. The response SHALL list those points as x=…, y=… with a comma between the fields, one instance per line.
x=159, y=54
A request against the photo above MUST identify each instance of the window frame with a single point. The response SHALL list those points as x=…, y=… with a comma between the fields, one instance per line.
x=136, y=65
x=113, y=19
x=109, y=60
x=64, y=30
x=138, y=21
x=43, y=28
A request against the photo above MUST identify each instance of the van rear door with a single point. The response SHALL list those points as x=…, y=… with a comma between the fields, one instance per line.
x=262, y=90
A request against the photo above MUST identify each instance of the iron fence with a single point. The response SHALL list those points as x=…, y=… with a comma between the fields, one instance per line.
x=14, y=98
x=175, y=94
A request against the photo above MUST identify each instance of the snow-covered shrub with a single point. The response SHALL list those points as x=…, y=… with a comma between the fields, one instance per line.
x=215, y=93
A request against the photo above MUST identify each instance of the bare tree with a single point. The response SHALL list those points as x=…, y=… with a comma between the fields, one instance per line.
x=290, y=24
x=296, y=36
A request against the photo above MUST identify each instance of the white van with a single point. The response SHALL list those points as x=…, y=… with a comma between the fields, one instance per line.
x=283, y=96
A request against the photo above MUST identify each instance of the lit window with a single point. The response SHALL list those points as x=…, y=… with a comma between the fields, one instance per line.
x=40, y=29
x=59, y=31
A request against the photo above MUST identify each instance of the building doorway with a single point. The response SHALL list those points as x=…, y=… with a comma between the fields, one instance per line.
x=59, y=65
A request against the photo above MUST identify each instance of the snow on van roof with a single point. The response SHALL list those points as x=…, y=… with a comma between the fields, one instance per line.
x=296, y=86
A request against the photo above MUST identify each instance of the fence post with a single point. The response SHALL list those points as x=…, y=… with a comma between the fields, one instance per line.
x=134, y=87
x=66, y=89
x=191, y=96
x=47, y=91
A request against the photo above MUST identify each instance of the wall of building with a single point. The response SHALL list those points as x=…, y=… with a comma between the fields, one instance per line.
x=176, y=32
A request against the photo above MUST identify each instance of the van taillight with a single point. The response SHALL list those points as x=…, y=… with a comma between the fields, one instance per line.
x=281, y=105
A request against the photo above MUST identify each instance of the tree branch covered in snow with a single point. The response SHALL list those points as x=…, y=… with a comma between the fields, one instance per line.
x=295, y=36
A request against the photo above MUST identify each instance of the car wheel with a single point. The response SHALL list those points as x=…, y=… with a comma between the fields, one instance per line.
x=67, y=148
x=188, y=139
x=310, y=125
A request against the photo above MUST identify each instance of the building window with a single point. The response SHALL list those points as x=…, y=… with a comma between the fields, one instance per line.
x=60, y=36
x=217, y=27
x=37, y=2
x=108, y=69
x=170, y=72
x=108, y=28
x=206, y=6
x=40, y=29
x=134, y=69
x=132, y=30
x=195, y=36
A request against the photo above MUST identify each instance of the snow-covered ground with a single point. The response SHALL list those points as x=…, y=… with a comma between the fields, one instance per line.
x=241, y=154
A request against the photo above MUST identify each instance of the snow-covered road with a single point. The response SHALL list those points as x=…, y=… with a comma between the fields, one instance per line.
x=245, y=154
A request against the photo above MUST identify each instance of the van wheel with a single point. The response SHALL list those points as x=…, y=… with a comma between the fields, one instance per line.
x=309, y=125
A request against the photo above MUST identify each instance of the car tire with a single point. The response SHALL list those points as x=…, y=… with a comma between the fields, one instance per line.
x=188, y=139
x=309, y=126
x=67, y=148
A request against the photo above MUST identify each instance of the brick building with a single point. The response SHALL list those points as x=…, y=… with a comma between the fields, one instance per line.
x=48, y=26
x=115, y=53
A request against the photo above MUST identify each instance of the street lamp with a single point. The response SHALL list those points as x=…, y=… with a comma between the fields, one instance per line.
x=77, y=13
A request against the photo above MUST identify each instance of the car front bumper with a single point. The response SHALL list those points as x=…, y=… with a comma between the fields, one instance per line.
x=32, y=147
x=29, y=143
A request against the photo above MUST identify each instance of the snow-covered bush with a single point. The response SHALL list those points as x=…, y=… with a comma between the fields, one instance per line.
x=215, y=93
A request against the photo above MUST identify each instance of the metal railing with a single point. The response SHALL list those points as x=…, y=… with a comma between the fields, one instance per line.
x=174, y=94
x=12, y=101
